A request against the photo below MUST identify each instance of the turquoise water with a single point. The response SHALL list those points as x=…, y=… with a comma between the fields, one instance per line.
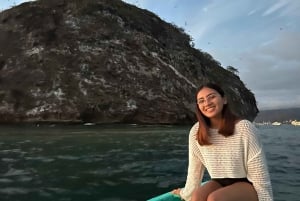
x=119, y=162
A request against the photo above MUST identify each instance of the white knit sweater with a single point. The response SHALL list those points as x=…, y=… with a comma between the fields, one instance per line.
x=237, y=156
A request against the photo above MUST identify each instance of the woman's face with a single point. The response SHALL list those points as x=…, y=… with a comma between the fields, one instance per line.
x=210, y=102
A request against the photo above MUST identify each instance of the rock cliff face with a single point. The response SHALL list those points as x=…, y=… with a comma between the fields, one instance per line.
x=103, y=61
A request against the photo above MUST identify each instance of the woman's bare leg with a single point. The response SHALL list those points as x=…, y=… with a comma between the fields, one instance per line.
x=202, y=192
x=235, y=192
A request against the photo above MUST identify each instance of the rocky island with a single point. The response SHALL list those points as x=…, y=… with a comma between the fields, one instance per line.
x=103, y=61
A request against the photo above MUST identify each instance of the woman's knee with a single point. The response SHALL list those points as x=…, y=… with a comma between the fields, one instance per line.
x=237, y=191
x=214, y=196
x=201, y=193
x=196, y=196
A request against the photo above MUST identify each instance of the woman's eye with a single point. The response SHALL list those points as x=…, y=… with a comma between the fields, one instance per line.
x=211, y=97
x=200, y=101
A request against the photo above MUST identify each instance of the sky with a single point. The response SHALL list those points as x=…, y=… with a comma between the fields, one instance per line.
x=261, y=39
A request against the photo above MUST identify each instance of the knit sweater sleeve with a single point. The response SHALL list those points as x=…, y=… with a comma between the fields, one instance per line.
x=195, y=167
x=256, y=164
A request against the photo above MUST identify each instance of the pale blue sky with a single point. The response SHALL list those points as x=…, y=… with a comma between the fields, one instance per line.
x=259, y=38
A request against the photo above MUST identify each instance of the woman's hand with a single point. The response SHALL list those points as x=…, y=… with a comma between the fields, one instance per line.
x=176, y=191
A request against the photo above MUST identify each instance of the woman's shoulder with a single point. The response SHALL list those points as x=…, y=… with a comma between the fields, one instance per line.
x=244, y=126
x=249, y=132
x=243, y=123
x=196, y=125
x=194, y=129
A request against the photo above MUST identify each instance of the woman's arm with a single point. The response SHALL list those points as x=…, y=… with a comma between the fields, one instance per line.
x=257, y=169
x=195, y=167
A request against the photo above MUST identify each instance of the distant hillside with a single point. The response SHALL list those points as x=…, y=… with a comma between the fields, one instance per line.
x=280, y=115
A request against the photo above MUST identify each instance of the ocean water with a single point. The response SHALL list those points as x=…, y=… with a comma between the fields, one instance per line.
x=119, y=162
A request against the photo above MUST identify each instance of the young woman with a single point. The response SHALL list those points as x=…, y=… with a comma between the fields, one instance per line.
x=230, y=150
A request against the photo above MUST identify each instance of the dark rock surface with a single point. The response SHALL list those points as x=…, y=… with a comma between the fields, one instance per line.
x=103, y=61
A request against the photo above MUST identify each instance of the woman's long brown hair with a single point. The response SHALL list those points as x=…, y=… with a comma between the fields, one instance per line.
x=228, y=118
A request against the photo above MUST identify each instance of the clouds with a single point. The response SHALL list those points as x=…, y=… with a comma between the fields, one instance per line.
x=276, y=6
x=284, y=47
x=272, y=71
x=274, y=66
x=285, y=7
x=259, y=38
